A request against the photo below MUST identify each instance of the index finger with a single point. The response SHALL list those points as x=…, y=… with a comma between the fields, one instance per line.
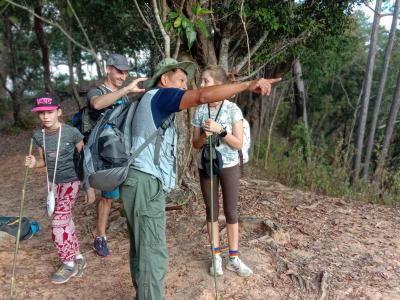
x=273, y=80
x=140, y=79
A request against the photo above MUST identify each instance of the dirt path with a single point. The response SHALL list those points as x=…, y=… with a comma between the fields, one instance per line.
x=292, y=240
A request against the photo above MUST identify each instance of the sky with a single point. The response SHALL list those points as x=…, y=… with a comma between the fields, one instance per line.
x=385, y=21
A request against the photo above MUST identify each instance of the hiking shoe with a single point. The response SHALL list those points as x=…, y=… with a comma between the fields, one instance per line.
x=218, y=266
x=100, y=246
x=64, y=273
x=236, y=265
x=81, y=264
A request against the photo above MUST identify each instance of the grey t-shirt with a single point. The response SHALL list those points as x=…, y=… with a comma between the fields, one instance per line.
x=70, y=136
x=98, y=92
x=94, y=114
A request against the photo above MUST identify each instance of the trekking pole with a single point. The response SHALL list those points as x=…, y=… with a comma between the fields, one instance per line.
x=19, y=224
x=212, y=215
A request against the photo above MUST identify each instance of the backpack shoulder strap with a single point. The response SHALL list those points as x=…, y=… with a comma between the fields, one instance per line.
x=160, y=137
x=159, y=134
x=103, y=89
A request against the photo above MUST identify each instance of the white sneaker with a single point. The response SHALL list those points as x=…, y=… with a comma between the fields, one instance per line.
x=236, y=265
x=218, y=266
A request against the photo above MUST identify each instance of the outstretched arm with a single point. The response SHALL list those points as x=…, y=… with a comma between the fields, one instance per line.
x=216, y=93
x=103, y=101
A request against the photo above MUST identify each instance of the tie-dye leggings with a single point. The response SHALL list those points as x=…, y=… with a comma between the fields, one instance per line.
x=63, y=228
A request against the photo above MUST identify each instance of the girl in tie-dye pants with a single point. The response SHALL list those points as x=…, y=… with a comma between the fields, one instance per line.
x=57, y=143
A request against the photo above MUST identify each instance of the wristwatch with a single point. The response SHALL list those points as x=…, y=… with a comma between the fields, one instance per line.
x=223, y=133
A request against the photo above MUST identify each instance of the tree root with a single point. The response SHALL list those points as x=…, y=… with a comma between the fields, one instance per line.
x=324, y=286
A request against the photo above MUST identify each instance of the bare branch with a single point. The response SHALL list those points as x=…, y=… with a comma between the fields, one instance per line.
x=237, y=44
x=224, y=52
x=224, y=46
x=164, y=10
x=177, y=47
x=281, y=49
x=255, y=71
x=149, y=27
x=86, y=37
x=271, y=126
x=380, y=15
x=246, y=60
x=4, y=8
x=247, y=38
x=367, y=5
x=167, y=40
x=51, y=23
x=383, y=126
x=345, y=92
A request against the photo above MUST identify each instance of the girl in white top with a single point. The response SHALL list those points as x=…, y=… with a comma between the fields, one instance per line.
x=224, y=121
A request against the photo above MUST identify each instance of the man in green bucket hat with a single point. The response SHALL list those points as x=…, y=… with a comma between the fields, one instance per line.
x=167, y=65
x=152, y=173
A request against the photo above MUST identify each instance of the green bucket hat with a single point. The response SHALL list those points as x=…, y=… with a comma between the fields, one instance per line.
x=168, y=64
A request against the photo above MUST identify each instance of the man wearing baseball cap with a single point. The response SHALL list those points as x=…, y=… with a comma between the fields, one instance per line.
x=153, y=172
x=110, y=94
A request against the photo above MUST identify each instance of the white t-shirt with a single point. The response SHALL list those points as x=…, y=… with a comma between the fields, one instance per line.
x=230, y=114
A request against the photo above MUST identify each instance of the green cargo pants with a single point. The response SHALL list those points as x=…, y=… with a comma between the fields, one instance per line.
x=144, y=204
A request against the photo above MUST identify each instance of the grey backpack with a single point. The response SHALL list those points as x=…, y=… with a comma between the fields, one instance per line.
x=108, y=152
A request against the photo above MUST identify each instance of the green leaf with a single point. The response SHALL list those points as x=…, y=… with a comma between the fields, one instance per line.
x=178, y=22
x=13, y=19
x=167, y=25
x=191, y=36
x=203, y=11
x=200, y=24
x=185, y=22
x=173, y=15
x=195, y=9
x=70, y=13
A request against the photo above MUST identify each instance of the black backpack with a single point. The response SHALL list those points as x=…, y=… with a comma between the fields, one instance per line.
x=108, y=152
x=9, y=225
x=86, y=118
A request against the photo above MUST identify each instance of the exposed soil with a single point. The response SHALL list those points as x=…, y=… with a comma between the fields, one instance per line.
x=299, y=245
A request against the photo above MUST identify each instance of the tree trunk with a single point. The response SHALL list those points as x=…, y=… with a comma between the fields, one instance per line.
x=300, y=100
x=207, y=51
x=300, y=93
x=16, y=92
x=271, y=126
x=4, y=57
x=379, y=96
x=185, y=163
x=223, y=53
x=99, y=72
x=250, y=104
x=16, y=97
x=38, y=27
x=71, y=76
x=77, y=63
x=224, y=47
x=394, y=109
x=367, y=91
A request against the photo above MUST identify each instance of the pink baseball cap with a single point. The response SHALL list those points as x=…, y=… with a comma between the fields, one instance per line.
x=46, y=102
